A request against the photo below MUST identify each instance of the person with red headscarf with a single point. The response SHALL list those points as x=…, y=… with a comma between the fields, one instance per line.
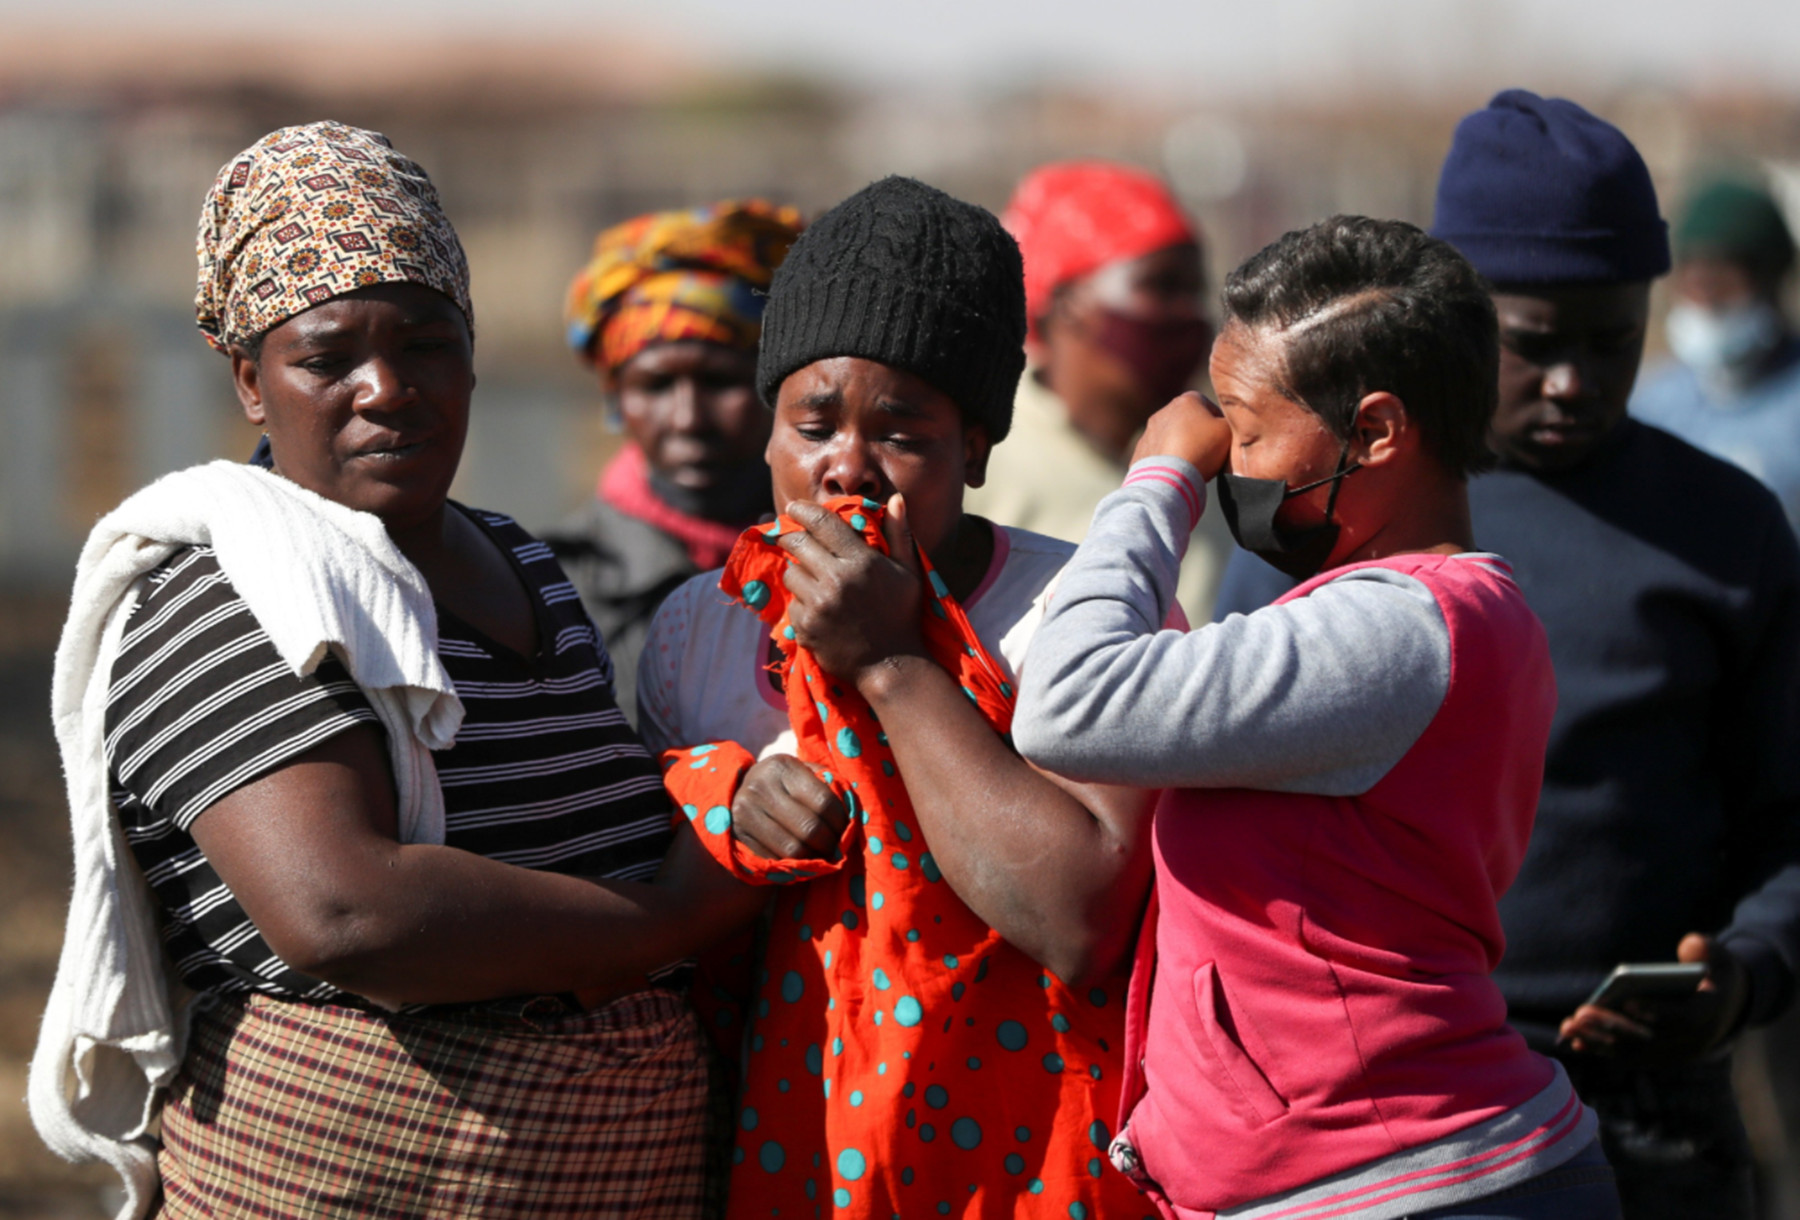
x=1113, y=278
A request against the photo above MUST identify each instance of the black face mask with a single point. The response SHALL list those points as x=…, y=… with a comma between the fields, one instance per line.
x=1250, y=506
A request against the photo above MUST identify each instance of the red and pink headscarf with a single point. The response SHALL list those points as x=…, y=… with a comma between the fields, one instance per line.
x=1073, y=217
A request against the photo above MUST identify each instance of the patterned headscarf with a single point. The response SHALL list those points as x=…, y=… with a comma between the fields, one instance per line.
x=1073, y=217
x=695, y=274
x=309, y=213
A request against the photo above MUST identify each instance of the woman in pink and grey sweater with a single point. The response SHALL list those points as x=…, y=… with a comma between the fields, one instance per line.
x=1351, y=772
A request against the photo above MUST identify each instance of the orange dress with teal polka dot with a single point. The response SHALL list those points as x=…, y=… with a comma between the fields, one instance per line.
x=901, y=1058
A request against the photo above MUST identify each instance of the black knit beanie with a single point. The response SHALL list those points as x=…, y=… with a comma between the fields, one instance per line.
x=903, y=274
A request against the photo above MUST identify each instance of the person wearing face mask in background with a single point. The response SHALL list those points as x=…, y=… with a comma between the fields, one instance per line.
x=668, y=312
x=1734, y=388
x=1669, y=585
x=1113, y=276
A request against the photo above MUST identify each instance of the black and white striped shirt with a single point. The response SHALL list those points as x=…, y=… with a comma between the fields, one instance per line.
x=545, y=772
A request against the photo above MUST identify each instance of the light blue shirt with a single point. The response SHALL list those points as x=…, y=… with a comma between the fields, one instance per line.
x=1757, y=429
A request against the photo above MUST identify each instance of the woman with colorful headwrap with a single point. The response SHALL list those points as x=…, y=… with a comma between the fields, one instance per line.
x=372, y=915
x=669, y=311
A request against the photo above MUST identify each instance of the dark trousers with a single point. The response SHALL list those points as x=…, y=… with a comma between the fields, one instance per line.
x=1673, y=1136
x=1581, y=1189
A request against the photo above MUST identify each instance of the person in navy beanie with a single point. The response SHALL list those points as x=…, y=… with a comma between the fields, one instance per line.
x=1668, y=581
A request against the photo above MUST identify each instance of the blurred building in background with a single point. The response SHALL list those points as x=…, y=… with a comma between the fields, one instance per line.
x=107, y=145
x=110, y=137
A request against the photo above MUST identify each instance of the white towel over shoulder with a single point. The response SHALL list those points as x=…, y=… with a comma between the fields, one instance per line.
x=316, y=575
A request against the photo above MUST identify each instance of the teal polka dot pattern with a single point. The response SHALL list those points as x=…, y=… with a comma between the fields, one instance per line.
x=950, y=1054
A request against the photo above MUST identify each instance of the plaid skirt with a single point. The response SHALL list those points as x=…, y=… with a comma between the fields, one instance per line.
x=286, y=1109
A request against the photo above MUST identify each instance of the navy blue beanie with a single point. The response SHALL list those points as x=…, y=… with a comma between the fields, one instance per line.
x=1538, y=191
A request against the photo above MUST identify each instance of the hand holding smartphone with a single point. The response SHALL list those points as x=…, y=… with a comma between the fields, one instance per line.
x=1647, y=982
x=1662, y=1012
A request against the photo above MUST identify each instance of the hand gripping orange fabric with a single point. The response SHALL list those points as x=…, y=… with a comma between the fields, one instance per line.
x=902, y=1059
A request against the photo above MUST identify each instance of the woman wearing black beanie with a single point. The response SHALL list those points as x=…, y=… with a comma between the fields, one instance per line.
x=950, y=967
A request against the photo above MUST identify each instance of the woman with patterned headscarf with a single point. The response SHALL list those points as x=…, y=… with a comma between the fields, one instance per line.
x=372, y=914
x=669, y=311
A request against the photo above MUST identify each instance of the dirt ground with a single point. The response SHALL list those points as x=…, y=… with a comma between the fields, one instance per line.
x=34, y=882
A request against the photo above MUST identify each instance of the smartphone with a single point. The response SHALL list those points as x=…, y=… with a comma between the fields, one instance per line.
x=1648, y=981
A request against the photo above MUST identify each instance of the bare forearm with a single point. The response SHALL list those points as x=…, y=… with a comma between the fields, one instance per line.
x=1052, y=876
x=446, y=926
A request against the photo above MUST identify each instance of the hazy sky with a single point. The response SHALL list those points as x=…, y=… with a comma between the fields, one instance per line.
x=1248, y=48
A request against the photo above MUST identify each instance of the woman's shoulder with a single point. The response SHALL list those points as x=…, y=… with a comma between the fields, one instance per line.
x=200, y=702
x=508, y=533
x=1024, y=565
x=188, y=587
x=537, y=564
x=698, y=615
x=1029, y=547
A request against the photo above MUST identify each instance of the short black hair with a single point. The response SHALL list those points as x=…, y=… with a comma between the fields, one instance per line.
x=1371, y=305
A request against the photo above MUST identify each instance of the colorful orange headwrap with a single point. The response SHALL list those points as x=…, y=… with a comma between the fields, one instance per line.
x=694, y=274
x=310, y=213
x=1073, y=217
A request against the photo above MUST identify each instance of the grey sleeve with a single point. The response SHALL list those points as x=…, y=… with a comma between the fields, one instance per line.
x=1323, y=694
